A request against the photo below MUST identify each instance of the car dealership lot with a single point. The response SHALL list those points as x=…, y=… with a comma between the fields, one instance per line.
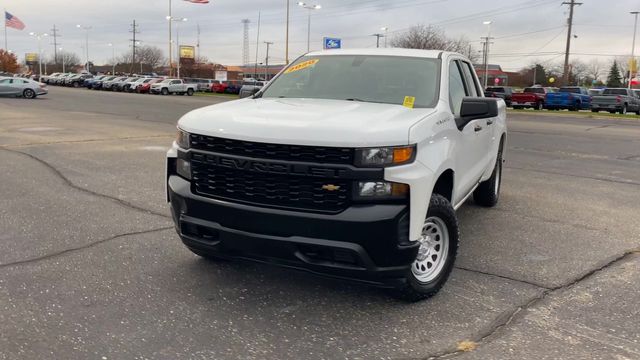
x=91, y=267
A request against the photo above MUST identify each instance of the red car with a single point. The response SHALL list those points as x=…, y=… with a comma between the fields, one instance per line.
x=531, y=97
x=219, y=86
x=146, y=85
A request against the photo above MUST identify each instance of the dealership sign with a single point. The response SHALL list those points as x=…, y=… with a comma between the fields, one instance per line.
x=187, y=52
x=331, y=43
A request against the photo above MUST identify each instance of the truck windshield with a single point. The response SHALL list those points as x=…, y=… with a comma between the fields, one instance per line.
x=573, y=90
x=367, y=78
x=614, y=92
x=536, y=90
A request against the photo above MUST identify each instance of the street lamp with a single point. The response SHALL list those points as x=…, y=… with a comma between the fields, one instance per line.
x=633, y=48
x=177, y=21
x=386, y=32
x=113, y=58
x=310, y=8
x=39, y=37
x=486, y=53
x=86, y=29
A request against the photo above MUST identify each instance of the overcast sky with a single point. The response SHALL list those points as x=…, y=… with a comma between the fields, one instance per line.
x=604, y=27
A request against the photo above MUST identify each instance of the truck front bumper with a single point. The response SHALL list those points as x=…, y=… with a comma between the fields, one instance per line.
x=367, y=243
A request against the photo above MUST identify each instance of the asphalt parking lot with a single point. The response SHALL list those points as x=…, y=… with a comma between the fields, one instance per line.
x=91, y=268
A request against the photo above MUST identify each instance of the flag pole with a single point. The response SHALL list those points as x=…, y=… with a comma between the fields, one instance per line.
x=6, y=47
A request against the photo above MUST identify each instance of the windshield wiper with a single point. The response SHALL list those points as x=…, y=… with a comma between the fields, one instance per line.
x=356, y=99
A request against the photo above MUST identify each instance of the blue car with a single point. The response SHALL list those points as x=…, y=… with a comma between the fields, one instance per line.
x=572, y=98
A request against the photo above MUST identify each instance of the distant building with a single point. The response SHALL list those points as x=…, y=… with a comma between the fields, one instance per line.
x=495, y=72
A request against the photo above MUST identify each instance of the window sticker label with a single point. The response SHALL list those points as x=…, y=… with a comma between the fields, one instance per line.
x=409, y=101
x=302, y=65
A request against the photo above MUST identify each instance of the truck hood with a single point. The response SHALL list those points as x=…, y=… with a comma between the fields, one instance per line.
x=306, y=122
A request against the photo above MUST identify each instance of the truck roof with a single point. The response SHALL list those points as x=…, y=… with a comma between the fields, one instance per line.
x=429, y=54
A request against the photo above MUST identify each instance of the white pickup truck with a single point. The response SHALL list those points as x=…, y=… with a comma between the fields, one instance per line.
x=350, y=164
x=173, y=86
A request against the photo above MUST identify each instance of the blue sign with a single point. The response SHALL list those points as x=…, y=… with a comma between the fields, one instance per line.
x=332, y=43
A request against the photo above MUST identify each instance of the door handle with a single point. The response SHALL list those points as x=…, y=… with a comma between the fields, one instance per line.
x=477, y=128
x=489, y=121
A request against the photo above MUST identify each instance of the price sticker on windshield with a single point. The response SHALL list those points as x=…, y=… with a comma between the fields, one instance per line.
x=301, y=66
x=409, y=101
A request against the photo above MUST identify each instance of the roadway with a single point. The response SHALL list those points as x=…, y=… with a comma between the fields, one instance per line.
x=91, y=267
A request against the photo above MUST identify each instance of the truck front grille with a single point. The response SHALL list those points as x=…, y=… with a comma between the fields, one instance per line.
x=289, y=191
x=314, y=154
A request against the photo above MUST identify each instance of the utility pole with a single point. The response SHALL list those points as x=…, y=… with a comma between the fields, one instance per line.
x=633, y=64
x=486, y=52
x=286, y=52
x=134, y=31
x=197, y=44
x=535, y=73
x=572, y=4
x=378, y=36
x=255, y=67
x=54, y=33
x=266, y=62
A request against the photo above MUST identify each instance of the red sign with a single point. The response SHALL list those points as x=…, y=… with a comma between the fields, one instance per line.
x=496, y=81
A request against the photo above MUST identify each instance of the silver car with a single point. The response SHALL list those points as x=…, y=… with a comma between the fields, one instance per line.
x=250, y=88
x=22, y=87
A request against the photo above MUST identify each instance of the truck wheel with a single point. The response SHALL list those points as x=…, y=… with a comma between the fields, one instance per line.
x=437, y=253
x=190, y=92
x=539, y=106
x=488, y=191
x=623, y=111
x=164, y=91
x=594, y=110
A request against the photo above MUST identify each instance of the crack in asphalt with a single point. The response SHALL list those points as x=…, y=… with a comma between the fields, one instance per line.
x=628, y=182
x=535, y=284
x=87, y=191
x=506, y=318
x=82, y=247
x=86, y=141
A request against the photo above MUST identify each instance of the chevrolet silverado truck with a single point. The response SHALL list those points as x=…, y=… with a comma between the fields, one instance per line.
x=173, y=86
x=531, y=97
x=572, y=98
x=613, y=100
x=349, y=164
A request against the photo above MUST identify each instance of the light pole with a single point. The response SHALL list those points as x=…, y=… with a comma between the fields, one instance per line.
x=486, y=53
x=386, y=32
x=286, y=51
x=39, y=37
x=62, y=55
x=177, y=21
x=310, y=8
x=113, y=58
x=86, y=46
x=266, y=62
x=633, y=48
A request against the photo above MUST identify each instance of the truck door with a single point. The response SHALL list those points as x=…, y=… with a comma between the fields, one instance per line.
x=472, y=149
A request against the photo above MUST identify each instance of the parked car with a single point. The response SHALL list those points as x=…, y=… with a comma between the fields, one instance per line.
x=204, y=85
x=573, y=98
x=219, y=86
x=97, y=85
x=594, y=92
x=45, y=78
x=531, y=97
x=613, y=100
x=503, y=92
x=88, y=83
x=250, y=88
x=59, y=80
x=110, y=84
x=131, y=86
x=173, y=86
x=145, y=86
x=122, y=84
x=27, y=88
x=77, y=80
x=240, y=172
x=233, y=87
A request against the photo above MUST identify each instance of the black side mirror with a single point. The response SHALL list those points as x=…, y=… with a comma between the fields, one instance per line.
x=477, y=108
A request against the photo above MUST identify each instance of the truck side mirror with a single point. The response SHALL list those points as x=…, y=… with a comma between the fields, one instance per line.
x=477, y=108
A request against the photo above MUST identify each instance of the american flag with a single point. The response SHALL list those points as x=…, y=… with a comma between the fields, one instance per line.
x=12, y=21
x=198, y=1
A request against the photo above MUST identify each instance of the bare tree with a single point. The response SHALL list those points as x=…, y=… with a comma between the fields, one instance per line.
x=433, y=38
x=595, y=69
x=151, y=56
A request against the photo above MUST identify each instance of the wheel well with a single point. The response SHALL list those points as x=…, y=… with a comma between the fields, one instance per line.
x=444, y=185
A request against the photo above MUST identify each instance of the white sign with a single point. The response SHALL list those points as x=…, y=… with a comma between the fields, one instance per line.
x=221, y=75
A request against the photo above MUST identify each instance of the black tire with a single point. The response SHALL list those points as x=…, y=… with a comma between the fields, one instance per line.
x=164, y=91
x=595, y=110
x=29, y=94
x=488, y=192
x=189, y=92
x=75, y=84
x=516, y=107
x=623, y=111
x=414, y=289
x=539, y=106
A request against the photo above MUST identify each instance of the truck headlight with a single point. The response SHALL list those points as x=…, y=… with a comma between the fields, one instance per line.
x=385, y=156
x=183, y=168
x=182, y=139
x=382, y=190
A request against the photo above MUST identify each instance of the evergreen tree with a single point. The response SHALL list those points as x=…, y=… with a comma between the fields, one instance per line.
x=614, y=79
